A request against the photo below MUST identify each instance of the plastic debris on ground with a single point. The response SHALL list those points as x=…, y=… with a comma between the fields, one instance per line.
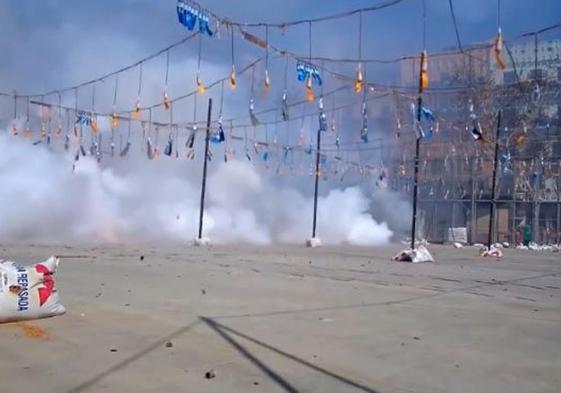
x=532, y=246
x=457, y=245
x=28, y=292
x=492, y=252
x=419, y=255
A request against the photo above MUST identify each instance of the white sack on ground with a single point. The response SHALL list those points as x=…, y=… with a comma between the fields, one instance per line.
x=418, y=255
x=28, y=292
x=491, y=252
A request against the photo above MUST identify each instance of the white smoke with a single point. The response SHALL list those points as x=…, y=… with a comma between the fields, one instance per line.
x=43, y=199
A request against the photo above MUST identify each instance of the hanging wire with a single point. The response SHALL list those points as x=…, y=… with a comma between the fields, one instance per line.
x=149, y=122
x=425, y=24
x=232, y=76
x=286, y=74
x=359, y=36
x=115, y=91
x=59, y=130
x=199, y=54
x=310, y=41
x=27, y=110
x=129, y=130
x=266, y=47
x=171, y=129
x=232, y=43
x=267, y=81
x=283, y=25
x=454, y=21
x=195, y=112
x=15, y=106
x=67, y=122
x=112, y=73
x=93, y=98
x=252, y=90
x=139, y=80
x=536, y=56
x=498, y=13
x=221, y=98
x=167, y=69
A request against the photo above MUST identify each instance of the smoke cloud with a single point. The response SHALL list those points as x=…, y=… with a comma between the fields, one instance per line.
x=43, y=199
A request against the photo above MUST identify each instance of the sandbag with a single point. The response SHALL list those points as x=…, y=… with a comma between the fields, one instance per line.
x=28, y=292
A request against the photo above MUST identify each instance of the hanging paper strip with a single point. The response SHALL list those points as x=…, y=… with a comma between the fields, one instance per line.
x=498, y=50
x=185, y=15
x=322, y=117
x=424, y=75
x=204, y=24
x=473, y=124
x=191, y=140
x=364, y=129
x=254, y=39
x=252, y=116
x=168, y=150
x=285, y=115
x=218, y=136
x=125, y=150
x=359, y=81
x=188, y=14
x=428, y=119
x=149, y=149
x=83, y=119
x=306, y=70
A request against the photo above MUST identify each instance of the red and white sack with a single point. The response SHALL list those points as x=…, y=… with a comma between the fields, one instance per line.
x=28, y=292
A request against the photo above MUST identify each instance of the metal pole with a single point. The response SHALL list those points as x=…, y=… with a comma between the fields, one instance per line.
x=473, y=219
x=317, y=184
x=416, y=173
x=495, y=163
x=558, y=240
x=205, y=159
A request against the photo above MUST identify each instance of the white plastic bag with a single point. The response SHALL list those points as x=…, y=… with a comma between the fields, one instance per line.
x=28, y=292
x=418, y=255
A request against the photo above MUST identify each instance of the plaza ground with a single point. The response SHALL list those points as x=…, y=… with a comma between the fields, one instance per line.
x=289, y=319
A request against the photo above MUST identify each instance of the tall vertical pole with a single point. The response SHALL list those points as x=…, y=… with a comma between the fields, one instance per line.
x=205, y=160
x=417, y=150
x=473, y=219
x=317, y=184
x=558, y=237
x=494, y=184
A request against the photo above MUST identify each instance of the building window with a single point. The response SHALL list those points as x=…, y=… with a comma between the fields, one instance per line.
x=536, y=74
x=510, y=77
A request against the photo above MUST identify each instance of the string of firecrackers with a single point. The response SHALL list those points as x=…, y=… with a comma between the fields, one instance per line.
x=473, y=125
x=84, y=118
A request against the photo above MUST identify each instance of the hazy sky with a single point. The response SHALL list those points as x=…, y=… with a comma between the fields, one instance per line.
x=49, y=43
